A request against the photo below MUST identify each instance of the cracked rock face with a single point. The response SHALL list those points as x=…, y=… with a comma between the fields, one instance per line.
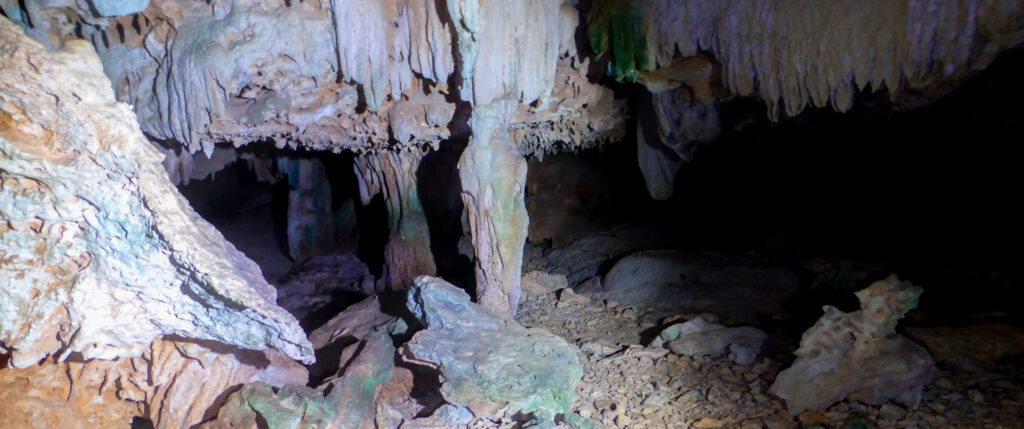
x=173, y=384
x=489, y=363
x=346, y=401
x=101, y=255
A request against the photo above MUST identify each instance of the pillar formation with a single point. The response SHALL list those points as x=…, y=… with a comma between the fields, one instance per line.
x=493, y=175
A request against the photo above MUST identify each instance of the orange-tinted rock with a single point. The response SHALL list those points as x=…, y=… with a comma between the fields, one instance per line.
x=173, y=384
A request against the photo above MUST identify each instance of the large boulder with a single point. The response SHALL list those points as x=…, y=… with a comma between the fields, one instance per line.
x=101, y=255
x=858, y=355
x=489, y=363
x=739, y=289
x=349, y=400
x=334, y=339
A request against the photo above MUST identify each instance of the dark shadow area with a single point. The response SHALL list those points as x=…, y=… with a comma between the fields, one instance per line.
x=140, y=423
x=373, y=233
x=338, y=302
x=440, y=193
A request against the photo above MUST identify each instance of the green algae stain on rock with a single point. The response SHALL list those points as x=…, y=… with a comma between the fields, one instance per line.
x=491, y=364
x=613, y=25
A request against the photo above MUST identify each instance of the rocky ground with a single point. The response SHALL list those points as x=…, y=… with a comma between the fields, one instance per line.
x=627, y=385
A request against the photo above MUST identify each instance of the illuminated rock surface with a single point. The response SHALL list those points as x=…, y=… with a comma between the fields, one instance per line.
x=490, y=364
x=102, y=255
x=859, y=355
x=172, y=384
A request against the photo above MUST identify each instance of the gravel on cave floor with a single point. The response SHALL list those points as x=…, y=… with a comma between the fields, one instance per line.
x=627, y=385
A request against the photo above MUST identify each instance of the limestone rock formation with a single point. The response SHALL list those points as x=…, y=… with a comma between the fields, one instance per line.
x=791, y=54
x=310, y=220
x=407, y=254
x=539, y=283
x=333, y=340
x=737, y=289
x=840, y=47
x=698, y=337
x=173, y=384
x=490, y=363
x=858, y=355
x=345, y=401
x=101, y=254
x=308, y=290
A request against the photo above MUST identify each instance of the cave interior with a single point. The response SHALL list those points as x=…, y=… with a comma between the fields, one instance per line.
x=550, y=213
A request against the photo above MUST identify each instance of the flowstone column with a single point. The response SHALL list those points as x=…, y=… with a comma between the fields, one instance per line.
x=407, y=253
x=310, y=221
x=493, y=175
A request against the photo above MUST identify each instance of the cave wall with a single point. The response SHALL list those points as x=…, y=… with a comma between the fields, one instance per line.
x=101, y=254
x=380, y=76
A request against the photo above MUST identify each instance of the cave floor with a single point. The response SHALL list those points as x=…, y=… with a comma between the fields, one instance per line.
x=627, y=385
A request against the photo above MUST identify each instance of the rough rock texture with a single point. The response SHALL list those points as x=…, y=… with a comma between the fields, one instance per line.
x=581, y=260
x=791, y=54
x=679, y=121
x=346, y=401
x=858, y=355
x=626, y=385
x=310, y=288
x=199, y=73
x=985, y=342
x=697, y=337
x=541, y=283
x=118, y=7
x=98, y=272
x=837, y=49
x=663, y=282
x=492, y=169
x=490, y=363
x=493, y=177
x=174, y=384
x=310, y=220
x=333, y=340
x=395, y=404
x=407, y=253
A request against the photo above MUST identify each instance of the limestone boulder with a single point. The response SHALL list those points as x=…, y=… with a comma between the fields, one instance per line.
x=738, y=288
x=538, y=283
x=858, y=355
x=489, y=363
x=348, y=400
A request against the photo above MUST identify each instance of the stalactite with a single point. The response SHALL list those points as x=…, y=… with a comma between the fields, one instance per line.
x=677, y=124
x=407, y=253
x=796, y=53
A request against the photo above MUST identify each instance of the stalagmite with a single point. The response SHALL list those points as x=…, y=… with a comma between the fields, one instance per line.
x=310, y=220
x=492, y=169
x=407, y=253
x=493, y=177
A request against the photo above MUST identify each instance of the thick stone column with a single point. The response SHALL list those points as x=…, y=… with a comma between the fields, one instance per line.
x=493, y=174
x=407, y=254
x=310, y=221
